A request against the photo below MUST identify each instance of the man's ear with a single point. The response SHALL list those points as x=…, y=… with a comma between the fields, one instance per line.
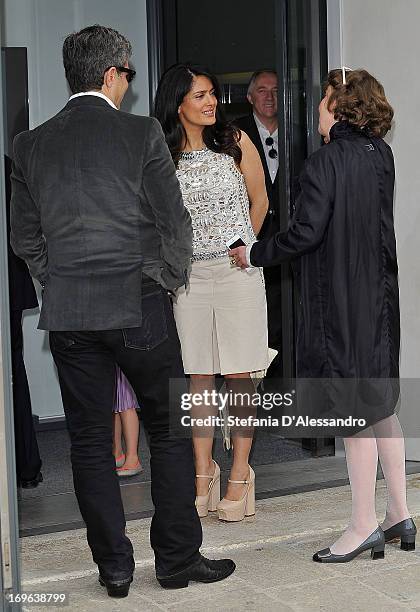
x=109, y=77
x=248, y=97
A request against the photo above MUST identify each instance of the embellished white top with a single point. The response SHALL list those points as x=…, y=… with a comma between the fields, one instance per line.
x=214, y=192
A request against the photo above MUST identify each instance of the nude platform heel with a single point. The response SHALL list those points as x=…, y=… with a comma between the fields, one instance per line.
x=233, y=511
x=208, y=503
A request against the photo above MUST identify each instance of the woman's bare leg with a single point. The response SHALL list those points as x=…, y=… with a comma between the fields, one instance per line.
x=130, y=431
x=202, y=436
x=241, y=439
x=362, y=462
x=117, y=448
x=391, y=450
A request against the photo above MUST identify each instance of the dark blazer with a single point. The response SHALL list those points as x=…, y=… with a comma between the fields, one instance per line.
x=343, y=233
x=22, y=295
x=271, y=223
x=96, y=203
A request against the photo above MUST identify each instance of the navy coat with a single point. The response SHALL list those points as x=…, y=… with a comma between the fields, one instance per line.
x=343, y=234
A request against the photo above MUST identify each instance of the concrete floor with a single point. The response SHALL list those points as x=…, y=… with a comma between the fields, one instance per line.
x=273, y=555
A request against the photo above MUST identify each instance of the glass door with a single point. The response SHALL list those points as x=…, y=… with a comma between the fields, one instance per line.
x=301, y=53
x=301, y=40
x=9, y=538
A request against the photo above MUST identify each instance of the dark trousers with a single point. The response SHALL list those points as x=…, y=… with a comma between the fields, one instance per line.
x=28, y=461
x=149, y=356
x=272, y=278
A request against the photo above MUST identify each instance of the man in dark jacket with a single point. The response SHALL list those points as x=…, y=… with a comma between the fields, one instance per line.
x=98, y=216
x=261, y=126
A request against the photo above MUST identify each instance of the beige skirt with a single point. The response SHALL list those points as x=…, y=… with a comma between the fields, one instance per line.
x=222, y=319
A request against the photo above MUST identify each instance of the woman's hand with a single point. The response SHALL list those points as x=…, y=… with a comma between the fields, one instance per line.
x=252, y=169
x=238, y=256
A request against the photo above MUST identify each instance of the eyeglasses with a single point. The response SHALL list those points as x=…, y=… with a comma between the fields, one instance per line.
x=270, y=143
x=129, y=71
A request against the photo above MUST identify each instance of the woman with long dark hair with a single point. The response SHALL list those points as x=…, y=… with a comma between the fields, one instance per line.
x=221, y=316
x=349, y=329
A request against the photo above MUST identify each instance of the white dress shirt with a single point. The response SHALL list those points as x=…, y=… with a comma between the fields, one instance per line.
x=98, y=94
x=272, y=164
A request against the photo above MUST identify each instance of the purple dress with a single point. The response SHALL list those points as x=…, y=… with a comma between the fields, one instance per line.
x=125, y=398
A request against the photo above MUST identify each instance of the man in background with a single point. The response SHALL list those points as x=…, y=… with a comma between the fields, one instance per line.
x=261, y=125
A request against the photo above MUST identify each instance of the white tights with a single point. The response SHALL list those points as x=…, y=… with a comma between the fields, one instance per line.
x=386, y=440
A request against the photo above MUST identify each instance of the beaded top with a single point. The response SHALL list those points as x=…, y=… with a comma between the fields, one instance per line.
x=215, y=194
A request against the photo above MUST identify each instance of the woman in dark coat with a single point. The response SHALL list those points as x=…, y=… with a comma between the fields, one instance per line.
x=349, y=328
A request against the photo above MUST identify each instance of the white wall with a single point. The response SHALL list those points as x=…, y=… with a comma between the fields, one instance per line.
x=382, y=36
x=41, y=26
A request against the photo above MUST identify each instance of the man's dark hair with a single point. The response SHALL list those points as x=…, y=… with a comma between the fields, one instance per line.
x=88, y=53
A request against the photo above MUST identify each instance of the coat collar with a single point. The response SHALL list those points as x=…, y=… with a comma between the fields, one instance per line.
x=344, y=129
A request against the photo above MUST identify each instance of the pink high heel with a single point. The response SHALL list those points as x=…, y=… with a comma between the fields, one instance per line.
x=208, y=503
x=233, y=511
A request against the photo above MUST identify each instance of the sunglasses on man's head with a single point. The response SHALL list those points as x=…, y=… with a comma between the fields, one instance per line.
x=270, y=143
x=129, y=72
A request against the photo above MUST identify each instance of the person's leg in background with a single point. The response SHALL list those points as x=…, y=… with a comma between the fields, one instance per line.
x=117, y=447
x=86, y=370
x=272, y=278
x=28, y=460
x=130, y=430
x=126, y=426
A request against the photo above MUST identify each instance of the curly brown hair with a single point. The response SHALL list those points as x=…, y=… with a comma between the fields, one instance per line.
x=361, y=101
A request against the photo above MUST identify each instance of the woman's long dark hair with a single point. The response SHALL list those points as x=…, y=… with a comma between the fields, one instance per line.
x=176, y=82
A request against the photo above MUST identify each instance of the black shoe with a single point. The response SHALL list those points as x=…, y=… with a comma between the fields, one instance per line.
x=116, y=588
x=405, y=531
x=31, y=483
x=204, y=570
x=375, y=542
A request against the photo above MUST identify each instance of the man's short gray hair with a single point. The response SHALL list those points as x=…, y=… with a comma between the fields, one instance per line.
x=255, y=76
x=88, y=53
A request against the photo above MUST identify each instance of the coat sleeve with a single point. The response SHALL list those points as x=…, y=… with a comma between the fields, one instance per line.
x=309, y=223
x=173, y=221
x=26, y=237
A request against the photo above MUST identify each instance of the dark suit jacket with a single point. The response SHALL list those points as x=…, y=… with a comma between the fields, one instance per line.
x=95, y=203
x=271, y=223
